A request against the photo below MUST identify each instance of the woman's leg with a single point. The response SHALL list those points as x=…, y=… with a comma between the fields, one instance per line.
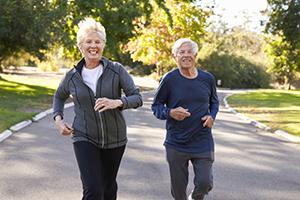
x=89, y=163
x=111, y=159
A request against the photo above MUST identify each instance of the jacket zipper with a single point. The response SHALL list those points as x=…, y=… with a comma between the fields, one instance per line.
x=102, y=129
x=99, y=114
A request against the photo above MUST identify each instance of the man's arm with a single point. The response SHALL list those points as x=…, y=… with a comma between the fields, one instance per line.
x=159, y=108
x=214, y=100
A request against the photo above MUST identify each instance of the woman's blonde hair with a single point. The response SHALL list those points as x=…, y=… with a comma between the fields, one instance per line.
x=87, y=26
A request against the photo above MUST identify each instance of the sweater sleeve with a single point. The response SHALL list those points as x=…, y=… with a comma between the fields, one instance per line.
x=132, y=98
x=214, y=101
x=61, y=95
x=159, y=108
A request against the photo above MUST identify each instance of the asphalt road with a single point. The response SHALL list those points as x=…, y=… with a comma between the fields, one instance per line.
x=250, y=164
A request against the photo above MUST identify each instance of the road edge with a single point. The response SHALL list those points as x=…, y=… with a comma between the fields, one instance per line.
x=260, y=125
x=14, y=128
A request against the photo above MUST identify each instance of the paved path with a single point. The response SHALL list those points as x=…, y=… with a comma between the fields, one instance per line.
x=37, y=163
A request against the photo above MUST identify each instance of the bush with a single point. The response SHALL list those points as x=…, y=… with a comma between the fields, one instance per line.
x=235, y=72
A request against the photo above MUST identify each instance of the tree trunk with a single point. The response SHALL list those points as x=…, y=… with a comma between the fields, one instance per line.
x=158, y=70
x=1, y=69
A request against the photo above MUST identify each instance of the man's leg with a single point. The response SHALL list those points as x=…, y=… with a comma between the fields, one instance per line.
x=203, y=180
x=88, y=159
x=111, y=159
x=178, y=164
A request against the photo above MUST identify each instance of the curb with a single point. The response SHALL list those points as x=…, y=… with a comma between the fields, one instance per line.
x=260, y=125
x=7, y=133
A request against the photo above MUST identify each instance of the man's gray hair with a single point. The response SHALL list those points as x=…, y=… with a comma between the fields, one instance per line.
x=87, y=26
x=182, y=41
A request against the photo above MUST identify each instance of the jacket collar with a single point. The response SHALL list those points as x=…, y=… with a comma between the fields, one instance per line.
x=81, y=63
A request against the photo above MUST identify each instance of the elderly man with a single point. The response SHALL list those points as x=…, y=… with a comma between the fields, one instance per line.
x=187, y=99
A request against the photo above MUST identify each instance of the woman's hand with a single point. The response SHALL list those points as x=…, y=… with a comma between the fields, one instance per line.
x=103, y=104
x=63, y=127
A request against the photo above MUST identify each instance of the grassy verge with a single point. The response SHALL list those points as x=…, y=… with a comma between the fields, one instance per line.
x=279, y=109
x=21, y=97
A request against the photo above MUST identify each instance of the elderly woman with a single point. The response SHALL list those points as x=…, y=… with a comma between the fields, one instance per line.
x=99, y=129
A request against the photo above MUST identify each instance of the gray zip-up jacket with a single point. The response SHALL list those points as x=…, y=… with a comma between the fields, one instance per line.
x=105, y=129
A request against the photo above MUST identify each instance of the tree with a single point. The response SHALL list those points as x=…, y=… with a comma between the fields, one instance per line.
x=27, y=26
x=152, y=41
x=285, y=60
x=34, y=26
x=116, y=19
x=284, y=20
x=284, y=24
x=237, y=58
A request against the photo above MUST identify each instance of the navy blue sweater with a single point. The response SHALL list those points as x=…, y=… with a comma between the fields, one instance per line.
x=199, y=96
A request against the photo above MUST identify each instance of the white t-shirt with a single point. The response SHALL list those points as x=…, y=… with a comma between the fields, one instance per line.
x=91, y=76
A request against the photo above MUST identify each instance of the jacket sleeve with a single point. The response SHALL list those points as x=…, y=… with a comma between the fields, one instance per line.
x=214, y=101
x=61, y=95
x=159, y=108
x=132, y=98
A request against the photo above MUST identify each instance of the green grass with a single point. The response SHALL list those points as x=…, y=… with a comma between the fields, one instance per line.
x=279, y=109
x=21, y=97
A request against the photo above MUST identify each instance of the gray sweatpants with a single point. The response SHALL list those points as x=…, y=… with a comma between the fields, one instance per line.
x=178, y=165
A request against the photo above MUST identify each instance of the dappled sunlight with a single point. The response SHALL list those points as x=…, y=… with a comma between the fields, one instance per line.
x=41, y=80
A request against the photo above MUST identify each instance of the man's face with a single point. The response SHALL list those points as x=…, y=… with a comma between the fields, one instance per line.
x=185, y=57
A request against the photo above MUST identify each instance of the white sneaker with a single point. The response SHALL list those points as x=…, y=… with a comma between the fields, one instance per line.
x=190, y=197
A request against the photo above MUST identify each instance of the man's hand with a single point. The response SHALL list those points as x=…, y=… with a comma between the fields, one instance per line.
x=208, y=121
x=63, y=127
x=103, y=104
x=179, y=113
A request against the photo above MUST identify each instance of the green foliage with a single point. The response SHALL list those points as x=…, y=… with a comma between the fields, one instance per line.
x=152, y=41
x=286, y=60
x=27, y=26
x=284, y=19
x=236, y=58
x=34, y=27
x=284, y=23
x=18, y=59
x=116, y=18
x=235, y=72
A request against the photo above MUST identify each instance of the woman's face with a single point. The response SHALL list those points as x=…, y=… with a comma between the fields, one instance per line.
x=92, y=47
